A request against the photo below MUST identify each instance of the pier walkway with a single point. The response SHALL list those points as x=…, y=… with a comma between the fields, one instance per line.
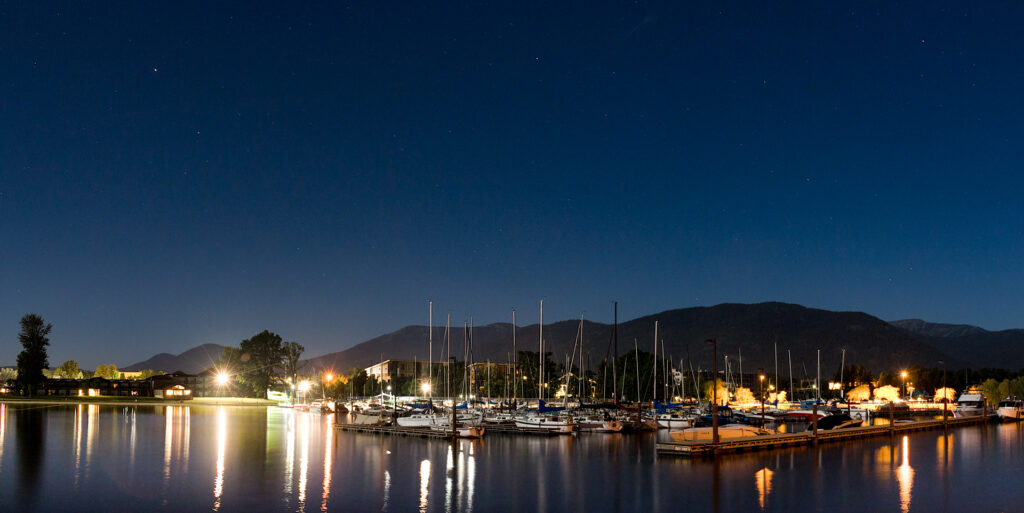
x=424, y=432
x=754, y=443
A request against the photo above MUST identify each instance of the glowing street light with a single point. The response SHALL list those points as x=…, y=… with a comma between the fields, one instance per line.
x=425, y=388
x=328, y=377
x=222, y=378
x=903, y=376
x=304, y=385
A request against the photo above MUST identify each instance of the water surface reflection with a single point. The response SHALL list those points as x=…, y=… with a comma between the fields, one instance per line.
x=207, y=458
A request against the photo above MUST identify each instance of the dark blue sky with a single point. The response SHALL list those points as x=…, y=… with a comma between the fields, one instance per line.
x=185, y=173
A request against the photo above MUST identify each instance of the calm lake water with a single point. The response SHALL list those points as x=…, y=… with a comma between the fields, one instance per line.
x=209, y=458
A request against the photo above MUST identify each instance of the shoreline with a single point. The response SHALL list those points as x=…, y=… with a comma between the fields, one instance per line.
x=146, y=401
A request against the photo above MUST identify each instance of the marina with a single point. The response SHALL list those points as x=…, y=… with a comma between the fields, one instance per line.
x=753, y=443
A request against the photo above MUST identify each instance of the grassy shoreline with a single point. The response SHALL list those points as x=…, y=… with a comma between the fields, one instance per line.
x=132, y=401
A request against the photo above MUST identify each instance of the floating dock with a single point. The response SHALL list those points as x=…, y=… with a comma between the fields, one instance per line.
x=423, y=432
x=394, y=430
x=754, y=443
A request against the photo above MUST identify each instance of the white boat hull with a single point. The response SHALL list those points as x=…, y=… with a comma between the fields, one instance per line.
x=1011, y=413
x=558, y=425
x=675, y=423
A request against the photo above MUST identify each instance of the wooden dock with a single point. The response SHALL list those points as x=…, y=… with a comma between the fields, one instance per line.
x=394, y=430
x=755, y=443
x=430, y=433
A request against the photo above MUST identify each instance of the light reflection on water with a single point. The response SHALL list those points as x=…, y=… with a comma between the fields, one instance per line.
x=3, y=429
x=206, y=458
x=763, y=481
x=424, y=485
x=222, y=443
x=905, y=476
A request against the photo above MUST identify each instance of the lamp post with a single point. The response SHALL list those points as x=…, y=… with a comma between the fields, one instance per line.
x=945, y=400
x=903, y=376
x=760, y=392
x=714, y=389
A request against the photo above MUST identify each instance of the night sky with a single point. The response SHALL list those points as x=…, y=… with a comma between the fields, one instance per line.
x=173, y=174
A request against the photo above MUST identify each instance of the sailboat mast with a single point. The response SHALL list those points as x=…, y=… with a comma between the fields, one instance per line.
x=540, y=374
x=654, y=393
x=740, y=353
x=842, y=364
x=636, y=352
x=447, y=362
x=817, y=377
x=515, y=361
x=775, y=349
x=615, y=351
x=789, y=356
x=430, y=354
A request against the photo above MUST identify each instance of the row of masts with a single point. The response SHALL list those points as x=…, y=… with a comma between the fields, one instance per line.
x=677, y=383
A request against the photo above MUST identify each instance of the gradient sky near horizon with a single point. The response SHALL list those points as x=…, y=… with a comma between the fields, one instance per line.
x=181, y=173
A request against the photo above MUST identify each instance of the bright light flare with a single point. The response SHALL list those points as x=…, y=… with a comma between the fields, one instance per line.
x=425, y=388
x=303, y=385
x=222, y=378
x=328, y=377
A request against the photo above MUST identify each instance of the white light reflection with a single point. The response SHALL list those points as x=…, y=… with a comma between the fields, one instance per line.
x=449, y=470
x=303, y=462
x=905, y=476
x=78, y=444
x=424, y=484
x=763, y=479
x=131, y=442
x=90, y=434
x=289, y=459
x=387, y=490
x=222, y=442
x=186, y=435
x=168, y=434
x=3, y=429
x=328, y=462
x=470, y=477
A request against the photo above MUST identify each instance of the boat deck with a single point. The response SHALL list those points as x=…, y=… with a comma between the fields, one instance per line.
x=754, y=443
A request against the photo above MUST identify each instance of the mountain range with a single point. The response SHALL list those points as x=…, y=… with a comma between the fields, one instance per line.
x=757, y=333
x=193, y=361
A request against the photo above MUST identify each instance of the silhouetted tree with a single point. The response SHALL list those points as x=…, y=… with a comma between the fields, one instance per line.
x=32, y=360
x=261, y=359
x=290, y=354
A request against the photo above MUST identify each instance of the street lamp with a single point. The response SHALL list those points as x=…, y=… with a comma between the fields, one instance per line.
x=945, y=400
x=760, y=391
x=903, y=376
x=222, y=378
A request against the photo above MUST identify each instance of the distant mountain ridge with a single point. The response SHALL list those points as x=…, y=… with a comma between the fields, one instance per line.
x=742, y=330
x=992, y=349
x=933, y=329
x=193, y=361
x=747, y=330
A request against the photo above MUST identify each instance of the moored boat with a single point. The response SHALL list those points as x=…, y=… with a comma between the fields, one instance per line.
x=557, y=423
x=970, y=404
x=599, y=424
x=674, y=421
x=461, y=431
x=1010, y=409
x=838, y=421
